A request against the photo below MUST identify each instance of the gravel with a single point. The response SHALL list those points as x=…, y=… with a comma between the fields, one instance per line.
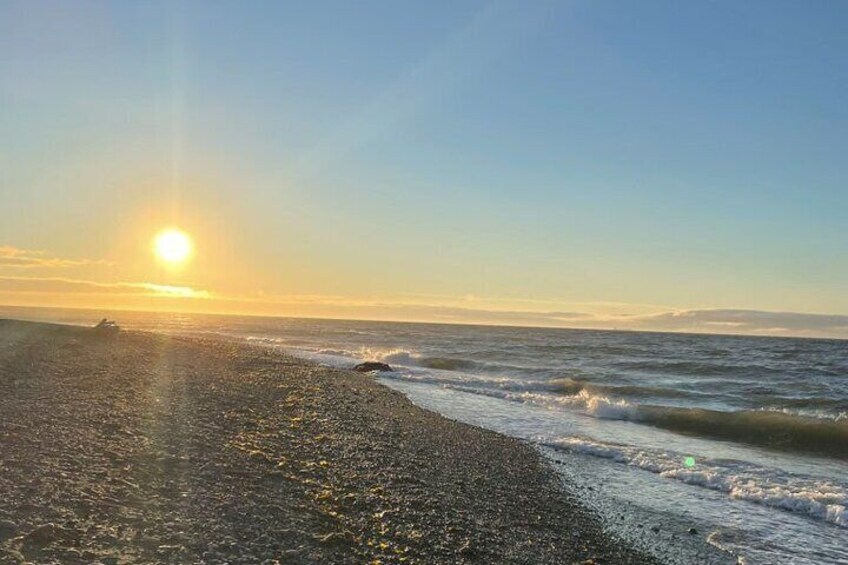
x=144, y=448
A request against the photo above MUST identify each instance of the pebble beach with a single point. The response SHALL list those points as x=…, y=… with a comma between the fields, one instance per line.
x=146, y=448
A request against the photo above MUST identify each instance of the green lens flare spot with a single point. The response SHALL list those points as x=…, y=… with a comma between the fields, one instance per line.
x=689, y=461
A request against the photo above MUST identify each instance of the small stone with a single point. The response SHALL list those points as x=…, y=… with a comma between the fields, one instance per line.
x=9, y=555
x=332, y=538
x=166, y=548
x=43, y=535
x=7, y=530
x=467, y=549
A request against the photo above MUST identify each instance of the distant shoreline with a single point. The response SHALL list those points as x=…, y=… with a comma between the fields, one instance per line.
x=142, y=447
x=95, y=312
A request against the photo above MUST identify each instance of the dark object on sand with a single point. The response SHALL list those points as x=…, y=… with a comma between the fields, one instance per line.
x=369, y=366
x=8, y=529
x=107, y=327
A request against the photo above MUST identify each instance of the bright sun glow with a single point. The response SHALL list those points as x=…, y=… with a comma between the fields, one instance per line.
x=172, y=246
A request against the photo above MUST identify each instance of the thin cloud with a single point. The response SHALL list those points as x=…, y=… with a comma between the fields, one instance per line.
x=714, y=321
x=428, y=312
x=63, y=285
x=522, y=317
x=15, y=257
x=748, y=322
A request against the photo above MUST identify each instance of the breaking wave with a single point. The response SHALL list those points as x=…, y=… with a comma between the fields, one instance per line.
x=801, y=427
x=773, y=429
x=405, y=358
x=818, y=499
x=778, y=430
x=442, y=363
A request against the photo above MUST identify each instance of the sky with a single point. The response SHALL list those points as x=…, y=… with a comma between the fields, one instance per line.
x=642, y=165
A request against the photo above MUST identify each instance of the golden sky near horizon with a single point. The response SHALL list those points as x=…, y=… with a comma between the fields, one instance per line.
x=484, y=163
x=171, y=268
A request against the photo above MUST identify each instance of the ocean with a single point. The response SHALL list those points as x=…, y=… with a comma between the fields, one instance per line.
x=699, y=448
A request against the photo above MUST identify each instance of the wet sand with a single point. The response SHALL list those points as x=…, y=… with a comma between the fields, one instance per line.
x=143, y=448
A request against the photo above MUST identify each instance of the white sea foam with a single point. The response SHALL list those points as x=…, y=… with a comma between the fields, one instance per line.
x=397, y=356
x=818, y=499
x=821, y=414
x=758, y=427
x=595, y=405
x=264, y=340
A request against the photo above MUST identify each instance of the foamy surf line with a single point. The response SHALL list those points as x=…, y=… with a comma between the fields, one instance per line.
x=820, y=500
x=772, y=429
x=757, y=490
x=775, y=429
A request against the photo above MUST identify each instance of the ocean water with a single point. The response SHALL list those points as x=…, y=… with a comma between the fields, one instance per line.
x=713, y=449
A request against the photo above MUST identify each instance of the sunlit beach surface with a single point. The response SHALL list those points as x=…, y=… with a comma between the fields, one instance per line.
x=684, y=448
x=144, y=448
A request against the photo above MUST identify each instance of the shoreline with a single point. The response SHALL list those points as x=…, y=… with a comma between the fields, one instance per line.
x=143, y=447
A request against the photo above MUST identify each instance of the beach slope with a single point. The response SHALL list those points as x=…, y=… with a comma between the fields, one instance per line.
x=144, y=448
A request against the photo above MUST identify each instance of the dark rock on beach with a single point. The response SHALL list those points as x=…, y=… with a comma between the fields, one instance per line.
x=7, y=530
x=369, y=366
x=146, y=448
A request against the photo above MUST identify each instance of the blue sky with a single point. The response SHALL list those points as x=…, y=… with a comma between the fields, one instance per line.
x=655, y=155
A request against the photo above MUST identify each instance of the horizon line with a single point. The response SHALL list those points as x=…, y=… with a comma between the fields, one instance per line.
x=422, y=322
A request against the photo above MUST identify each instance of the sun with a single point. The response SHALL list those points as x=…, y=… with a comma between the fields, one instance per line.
x=172, y=246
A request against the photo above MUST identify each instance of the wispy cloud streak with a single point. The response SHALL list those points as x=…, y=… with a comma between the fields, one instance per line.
x=63, y=285
x=27, y=258
x=747, y=321
x=715, y=321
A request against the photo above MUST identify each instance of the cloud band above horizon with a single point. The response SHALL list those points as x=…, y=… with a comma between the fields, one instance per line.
x=44, y=291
